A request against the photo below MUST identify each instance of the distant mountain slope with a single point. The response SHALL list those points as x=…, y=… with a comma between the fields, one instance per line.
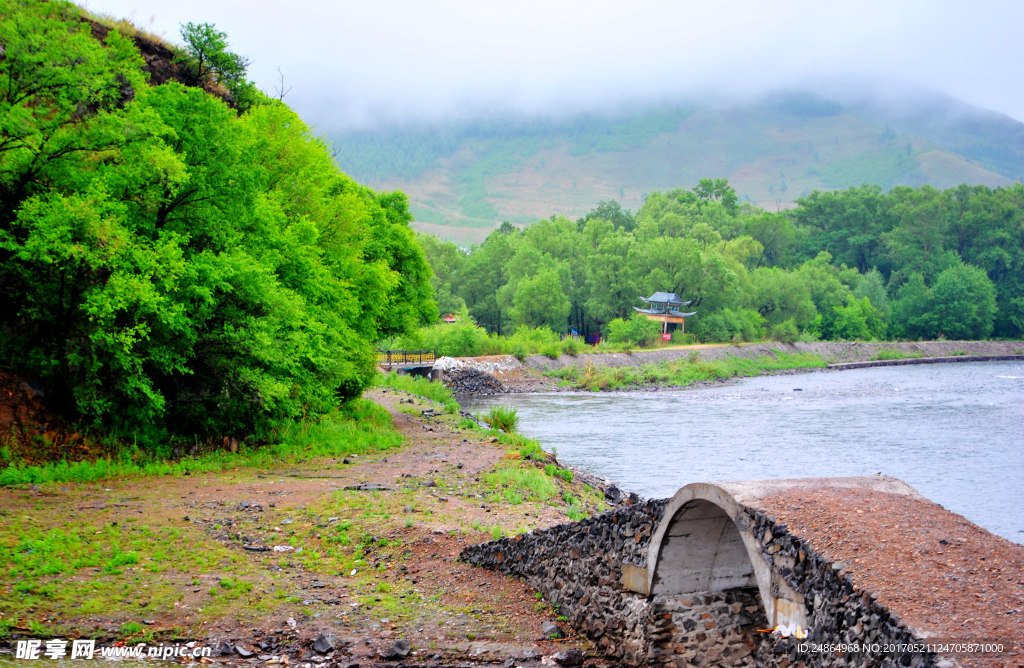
x=465, y=178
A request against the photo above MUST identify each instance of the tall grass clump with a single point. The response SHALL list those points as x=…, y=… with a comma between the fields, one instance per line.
x=503, y=418
x=422, y=387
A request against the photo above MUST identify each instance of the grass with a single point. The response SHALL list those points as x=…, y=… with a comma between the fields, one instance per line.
x=360, y=426
x=895, y=354
x=55, y=568
x=422, y=387
x=682, y=372
x=503, y=418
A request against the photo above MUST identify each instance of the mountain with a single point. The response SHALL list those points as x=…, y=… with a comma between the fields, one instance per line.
x=463, y=178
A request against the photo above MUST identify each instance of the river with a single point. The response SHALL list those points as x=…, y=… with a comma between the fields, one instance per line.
x=953, y=431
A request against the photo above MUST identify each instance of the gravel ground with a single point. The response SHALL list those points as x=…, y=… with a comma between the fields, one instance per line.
x=942, y=575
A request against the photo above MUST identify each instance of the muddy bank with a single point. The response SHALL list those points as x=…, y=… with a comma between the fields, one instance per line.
x=831, y=352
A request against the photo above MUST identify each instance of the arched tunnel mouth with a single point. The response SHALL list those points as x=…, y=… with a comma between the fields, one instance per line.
x=702, y=551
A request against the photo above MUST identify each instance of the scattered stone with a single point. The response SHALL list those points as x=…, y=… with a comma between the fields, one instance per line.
x=256, y=548
x=613, y=494
x=325, y=643
x=570, y=657
x=243, y=652
x=551, y=630
x=283, y=548
x=369, y=487
x=399, y=650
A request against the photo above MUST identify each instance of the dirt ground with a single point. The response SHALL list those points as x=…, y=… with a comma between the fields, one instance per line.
x=947, y=579
x=361, y=548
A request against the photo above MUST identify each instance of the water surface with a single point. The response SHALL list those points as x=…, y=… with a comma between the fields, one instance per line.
x=953, y=431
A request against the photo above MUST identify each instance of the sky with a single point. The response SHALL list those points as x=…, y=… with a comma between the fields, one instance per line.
x=358, y=64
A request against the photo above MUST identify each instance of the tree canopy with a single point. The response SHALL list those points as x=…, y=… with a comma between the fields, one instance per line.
x=171, y=266
x=845, y=265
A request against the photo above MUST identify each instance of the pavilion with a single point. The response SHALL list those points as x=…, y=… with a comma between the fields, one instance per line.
x=664, y=307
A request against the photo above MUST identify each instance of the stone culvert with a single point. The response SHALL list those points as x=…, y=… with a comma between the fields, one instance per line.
x=697, y=579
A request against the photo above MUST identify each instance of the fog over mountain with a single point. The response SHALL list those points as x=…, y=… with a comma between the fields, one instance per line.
x=358, y=64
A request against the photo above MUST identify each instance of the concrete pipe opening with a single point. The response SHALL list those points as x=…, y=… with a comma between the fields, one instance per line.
x=701, y=551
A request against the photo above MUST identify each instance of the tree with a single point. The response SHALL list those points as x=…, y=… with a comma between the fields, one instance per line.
x=540, y=302
x=206, y=58
x=718, y=189
x=964, y=303
x=913, y=312
x=171, y=268
x=858, y=320
x=779, y=296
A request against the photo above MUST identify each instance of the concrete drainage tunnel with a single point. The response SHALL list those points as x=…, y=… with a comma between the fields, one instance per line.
x=703, y=579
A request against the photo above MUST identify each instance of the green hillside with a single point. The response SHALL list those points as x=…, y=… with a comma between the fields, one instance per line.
x=463, y=179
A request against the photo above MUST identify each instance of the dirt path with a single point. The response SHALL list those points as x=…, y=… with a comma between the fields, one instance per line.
x=359, y=548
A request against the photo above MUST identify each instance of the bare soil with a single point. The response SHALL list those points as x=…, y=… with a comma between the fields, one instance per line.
x=943, y=576
x=395, y=575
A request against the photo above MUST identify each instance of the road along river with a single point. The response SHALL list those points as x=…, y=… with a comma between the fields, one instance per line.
x=953, y=431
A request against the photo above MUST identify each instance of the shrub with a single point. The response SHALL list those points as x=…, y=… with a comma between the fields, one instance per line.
x=727, y=326
x=637, y=331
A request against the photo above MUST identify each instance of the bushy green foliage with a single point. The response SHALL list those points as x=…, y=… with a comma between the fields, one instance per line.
x=637, y=330
x=358, y=427
x=728, y=326
x=169, y=266
x=804, y=273
x=504, y=418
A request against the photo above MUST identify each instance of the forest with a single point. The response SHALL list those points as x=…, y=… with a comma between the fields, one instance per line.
x=180, y=257
x=856, y=264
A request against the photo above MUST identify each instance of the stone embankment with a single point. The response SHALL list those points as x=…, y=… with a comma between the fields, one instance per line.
x=831, y=352
x=699, y=579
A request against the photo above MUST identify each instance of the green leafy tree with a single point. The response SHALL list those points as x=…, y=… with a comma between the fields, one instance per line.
x=858, y=320
x=540, y=302
x=964, y=303
x=206, y=58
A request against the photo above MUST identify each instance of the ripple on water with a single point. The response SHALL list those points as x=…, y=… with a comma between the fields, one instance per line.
x=953, y=431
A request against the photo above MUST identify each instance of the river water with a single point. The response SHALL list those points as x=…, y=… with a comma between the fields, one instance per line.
x=953, y=431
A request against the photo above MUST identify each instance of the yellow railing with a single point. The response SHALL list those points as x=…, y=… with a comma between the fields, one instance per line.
x=393, y=357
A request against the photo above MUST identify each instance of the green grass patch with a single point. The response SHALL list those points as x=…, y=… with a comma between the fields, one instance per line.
x=421, y=387
x=895, y=354
x=526, y=480
x=683, y=372
x=360, y=426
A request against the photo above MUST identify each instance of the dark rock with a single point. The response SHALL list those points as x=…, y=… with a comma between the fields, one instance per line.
x=531, y=654
x=243, y=652
x=612, y=494
x=551, y=630
x=570, y=657
x=325, y=643
x=398, y=650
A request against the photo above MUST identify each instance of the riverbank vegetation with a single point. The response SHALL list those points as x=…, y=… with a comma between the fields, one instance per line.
x=182, y=264
x=859, y=264
x=680, y=373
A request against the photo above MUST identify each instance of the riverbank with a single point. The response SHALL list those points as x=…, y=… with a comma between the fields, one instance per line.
x=831, y=352
x=357, y=551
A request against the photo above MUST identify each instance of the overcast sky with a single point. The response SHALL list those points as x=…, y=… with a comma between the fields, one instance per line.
x=358, y=63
